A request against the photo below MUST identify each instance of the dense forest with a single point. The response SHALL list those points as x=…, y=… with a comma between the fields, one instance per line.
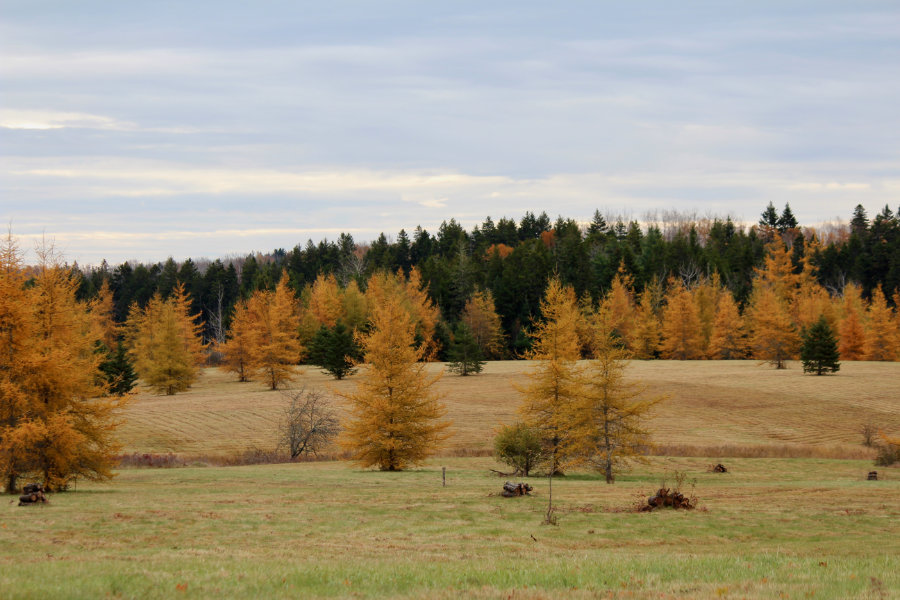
x=514, y=260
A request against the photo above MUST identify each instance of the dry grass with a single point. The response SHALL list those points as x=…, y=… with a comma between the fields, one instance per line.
x=715, y=408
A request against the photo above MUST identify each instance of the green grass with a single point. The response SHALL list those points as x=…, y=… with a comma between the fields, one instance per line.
x=771, y=527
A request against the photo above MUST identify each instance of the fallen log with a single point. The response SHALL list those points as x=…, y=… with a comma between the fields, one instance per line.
x=511, y=490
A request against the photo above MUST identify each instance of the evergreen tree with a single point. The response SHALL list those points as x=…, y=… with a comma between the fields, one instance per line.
x=118, y=370
x=464, y=354
x=819, y=352
x=786, y=221
x=335, y=350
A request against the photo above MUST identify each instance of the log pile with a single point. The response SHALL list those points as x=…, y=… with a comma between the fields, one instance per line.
x=511, y=490
x=873, y=476
x=33, y=494
x=670, y=499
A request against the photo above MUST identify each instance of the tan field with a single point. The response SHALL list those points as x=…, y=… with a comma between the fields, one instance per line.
x=714, y=408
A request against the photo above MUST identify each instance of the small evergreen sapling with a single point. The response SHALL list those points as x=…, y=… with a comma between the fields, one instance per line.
x=464, y=354
x=335, y=350
x=819, y=352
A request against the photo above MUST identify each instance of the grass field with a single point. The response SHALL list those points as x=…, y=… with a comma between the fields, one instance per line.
x=737, y=408
x=804, y=526
x=771, y=528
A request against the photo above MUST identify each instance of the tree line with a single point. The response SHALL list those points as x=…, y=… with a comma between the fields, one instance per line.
x=512, y=261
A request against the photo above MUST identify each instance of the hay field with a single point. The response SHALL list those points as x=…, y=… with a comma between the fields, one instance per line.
x=715, y=408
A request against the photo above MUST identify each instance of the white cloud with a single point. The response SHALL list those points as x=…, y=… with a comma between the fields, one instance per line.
x=48, y=119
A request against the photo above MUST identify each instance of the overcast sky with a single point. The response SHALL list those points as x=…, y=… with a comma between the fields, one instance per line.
x=148, y=129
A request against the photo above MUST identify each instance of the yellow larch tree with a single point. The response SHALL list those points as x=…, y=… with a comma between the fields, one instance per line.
x=161, y=354
x=480, y=315
x=241, y=339
x=325, y=301
x=681, y=335
x=706, y=298
x=355, y=306
x=413, y=296
x=276, y=345
x=647, y=331
x=103, y=311
x=618, y=306
x=882, y=339
x=852, y=345
x=554, y=384
x=728, y=340
x=610, y=418
x=774, y=339
x=190, y=325
x=396, y=418
x=55, y=426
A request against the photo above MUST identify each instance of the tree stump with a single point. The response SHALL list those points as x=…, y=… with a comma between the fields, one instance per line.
x=873, y=476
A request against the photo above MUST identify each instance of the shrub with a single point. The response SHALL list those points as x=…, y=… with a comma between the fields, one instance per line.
x=888, y=451
x=520, y=447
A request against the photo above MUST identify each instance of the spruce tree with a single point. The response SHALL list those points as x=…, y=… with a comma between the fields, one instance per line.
x=118, y=370
x=335, y=350
x=819, y=352
x=464, y=354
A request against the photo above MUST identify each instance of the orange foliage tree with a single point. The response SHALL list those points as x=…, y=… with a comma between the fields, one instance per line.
x=165, y=341
x=554, y=386
x=483, y=321
x=275, y=346
x=728, y=340
x=774, y=338
x=851, y=329
x=238, y=348
x=882, y=337
x=53, y=424
x=395, y=416
x=682, y=336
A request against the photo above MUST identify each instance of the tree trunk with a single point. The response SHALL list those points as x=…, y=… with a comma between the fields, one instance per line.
x=11, y=483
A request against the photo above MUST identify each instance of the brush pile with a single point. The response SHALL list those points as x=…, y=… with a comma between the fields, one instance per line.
x=33, y=494
x=665, y=498
x=719, y=468
x=511, y=490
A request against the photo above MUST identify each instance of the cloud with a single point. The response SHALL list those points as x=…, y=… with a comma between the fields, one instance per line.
x=48, y=119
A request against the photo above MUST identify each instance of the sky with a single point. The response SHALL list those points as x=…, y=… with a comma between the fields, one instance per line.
x=141, y=130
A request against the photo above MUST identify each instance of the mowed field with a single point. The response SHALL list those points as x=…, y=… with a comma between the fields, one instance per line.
x=713, y=408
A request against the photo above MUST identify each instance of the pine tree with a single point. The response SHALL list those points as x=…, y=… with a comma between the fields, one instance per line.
x=555, y=383
x=464, y=355
x=395, y=416
x=335, y=350
x=819, y=352
x=118, y=370
x=610, y=426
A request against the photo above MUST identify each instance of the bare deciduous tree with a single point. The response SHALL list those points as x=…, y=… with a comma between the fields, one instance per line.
x=308, y=424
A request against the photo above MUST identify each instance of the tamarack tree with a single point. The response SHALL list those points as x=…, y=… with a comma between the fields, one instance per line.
x=395, y=416
x=54, y=424
x=555, y=383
